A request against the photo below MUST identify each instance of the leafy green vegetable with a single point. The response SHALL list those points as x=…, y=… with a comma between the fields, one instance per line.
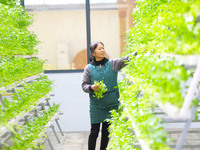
x=25, y=99
x=165, y=27
x=9, y=2
x=16, y=68
x=15, y=37
x=160, y=26
x=33, y=131
x=101, y=90
x=17, y=40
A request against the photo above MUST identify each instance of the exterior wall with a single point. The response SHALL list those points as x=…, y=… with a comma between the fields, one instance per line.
x=63, y=34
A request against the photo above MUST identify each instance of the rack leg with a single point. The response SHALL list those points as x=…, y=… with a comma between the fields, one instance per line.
x=48, y=102
x=1, y=99
x=50, y=143
x=55, y=133
x=36, y=113
x=39, y=146
x=59, y=127
x=185, y=130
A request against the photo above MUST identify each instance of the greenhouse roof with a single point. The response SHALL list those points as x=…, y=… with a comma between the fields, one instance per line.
x=57, y=2
x=61, y=7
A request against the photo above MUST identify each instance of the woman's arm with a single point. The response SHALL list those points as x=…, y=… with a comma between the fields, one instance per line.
x=86, y=83
x=119, y=63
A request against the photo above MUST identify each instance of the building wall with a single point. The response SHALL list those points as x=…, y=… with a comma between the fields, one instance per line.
x=63, y=34
x=74, y=102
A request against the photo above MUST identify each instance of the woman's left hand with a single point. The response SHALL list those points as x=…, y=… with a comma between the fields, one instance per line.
x=95, y=87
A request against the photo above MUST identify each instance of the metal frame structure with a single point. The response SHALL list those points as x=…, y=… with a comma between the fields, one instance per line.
x=88, y=35
x=185, y=116
x=6, y=134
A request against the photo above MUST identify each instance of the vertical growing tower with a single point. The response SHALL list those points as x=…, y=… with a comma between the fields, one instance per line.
x=166, y=36
x=25, y=111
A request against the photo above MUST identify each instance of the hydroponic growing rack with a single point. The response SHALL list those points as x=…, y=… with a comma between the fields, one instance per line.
x=25, y=110
x=42, y=104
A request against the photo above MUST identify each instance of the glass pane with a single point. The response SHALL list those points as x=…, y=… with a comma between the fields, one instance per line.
x=61, y=27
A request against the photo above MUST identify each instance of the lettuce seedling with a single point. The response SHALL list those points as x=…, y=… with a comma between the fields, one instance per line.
x=101, y=90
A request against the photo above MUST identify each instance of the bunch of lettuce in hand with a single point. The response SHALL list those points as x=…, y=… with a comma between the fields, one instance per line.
x=101, y=90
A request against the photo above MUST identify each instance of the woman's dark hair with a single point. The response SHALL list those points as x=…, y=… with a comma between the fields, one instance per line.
x=93, y=46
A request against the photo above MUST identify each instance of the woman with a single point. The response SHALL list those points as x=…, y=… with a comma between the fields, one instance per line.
x=101, y=68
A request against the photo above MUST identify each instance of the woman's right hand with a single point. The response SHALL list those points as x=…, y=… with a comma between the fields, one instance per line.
x=95, y=87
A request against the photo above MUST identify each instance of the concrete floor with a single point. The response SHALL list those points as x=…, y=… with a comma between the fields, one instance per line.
x=79, y=140
x=75, y=119
x=70, y=141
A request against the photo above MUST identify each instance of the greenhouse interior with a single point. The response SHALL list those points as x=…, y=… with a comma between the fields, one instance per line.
x=100, y=75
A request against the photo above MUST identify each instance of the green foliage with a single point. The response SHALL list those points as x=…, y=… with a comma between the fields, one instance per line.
x=195, y=103
x=15, y=37
x=101, y=90
x=166, y=27
x=161, y=26
x=33, y=131
x=10, y=2
x=161, y=77
x=16, y=40
x=140, y=118
x=122, y=135
x=16, y=68
x=25, y=99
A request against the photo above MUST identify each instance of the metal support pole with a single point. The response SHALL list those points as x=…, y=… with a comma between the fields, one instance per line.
x=36, y=113
x=1, y=100
x=39, y=146
x=48, y=102
x=42, y=105
x=50, y=143
x=185, y=130
x=59, y=127
x=22, y=3
x=88, y=28
x=188, y=123
x=55, y=133
x=185, y=110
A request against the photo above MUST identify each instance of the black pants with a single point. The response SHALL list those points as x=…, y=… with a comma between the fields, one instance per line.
x=94, y=134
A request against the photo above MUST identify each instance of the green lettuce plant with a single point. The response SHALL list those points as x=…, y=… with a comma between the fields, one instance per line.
x=15, y=37
x=9, y=2
x=171, y=27
x=25, y=99
x=17, y=40
x=33, y=131
x=101, y=90
x=165, y=27
x=16, y=68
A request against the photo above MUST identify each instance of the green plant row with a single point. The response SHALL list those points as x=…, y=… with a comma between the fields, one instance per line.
x=140, y=119
x=33, y=131
x=16, y=40
x=165, y=26
x=160, y=77
x=161, y=26
x=24, y=99
x=9, y=2
x=121, y=132
x=15, y=37
x=16, y=68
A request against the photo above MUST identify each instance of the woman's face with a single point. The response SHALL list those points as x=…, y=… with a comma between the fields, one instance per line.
x=99, y=52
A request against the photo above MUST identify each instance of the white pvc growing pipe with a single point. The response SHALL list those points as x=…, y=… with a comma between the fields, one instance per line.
x=185, y=111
